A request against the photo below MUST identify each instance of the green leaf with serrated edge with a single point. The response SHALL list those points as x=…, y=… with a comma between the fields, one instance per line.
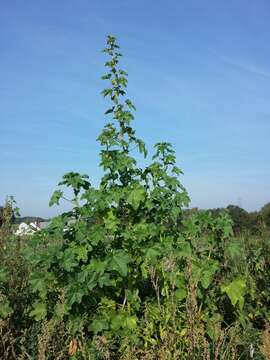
x=38, y=283
x=136, y=196
x=55, y=198
x=209, y=268
x=69, y=260
x=39, y=311
x=74, y=294
x=105, y=280
x=119, y=262
x=153, y=252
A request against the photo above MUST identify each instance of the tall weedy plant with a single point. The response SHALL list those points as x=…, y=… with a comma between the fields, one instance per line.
x=125, y=269
x=130, y=218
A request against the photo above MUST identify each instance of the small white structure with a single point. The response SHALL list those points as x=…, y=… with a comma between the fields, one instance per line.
x=25, y=229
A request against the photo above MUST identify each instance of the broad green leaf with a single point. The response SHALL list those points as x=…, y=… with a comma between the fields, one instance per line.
x=210, y=267
x=131, y=322
x=76, y=181
x=184, y=249
x=69, y=260
x=39, y=311
x=74, y=294
x=97, y=266
x=119, y=262
x=111, y=221
x=60, y=310
x=117, y=321
x=235, y=291
x=180, y=294
x=153, y=252
x=206, y=279
x=38, y=284
x=105, y=280
x=99, y=325
x=136, y=196
x=82, y=252
x=56, y=196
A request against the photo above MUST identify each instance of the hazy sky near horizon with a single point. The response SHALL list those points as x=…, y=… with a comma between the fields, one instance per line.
x=199, y=74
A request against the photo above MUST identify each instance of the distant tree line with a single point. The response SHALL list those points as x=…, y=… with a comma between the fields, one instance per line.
x=29, y=219
x=17, y=219
x=254, y=222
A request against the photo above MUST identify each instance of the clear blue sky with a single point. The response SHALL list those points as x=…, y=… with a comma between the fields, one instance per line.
x=199, y=73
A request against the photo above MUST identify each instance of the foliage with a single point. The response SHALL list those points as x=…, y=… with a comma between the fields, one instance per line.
x=240, y=218
x=128, y=274
x=265, y=211
x=8, y=212
x=253, y=223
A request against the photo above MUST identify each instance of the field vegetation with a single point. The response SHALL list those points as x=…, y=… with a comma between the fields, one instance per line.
x=129, y=273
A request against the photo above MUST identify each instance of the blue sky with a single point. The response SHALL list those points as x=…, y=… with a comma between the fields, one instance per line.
x=199, y=74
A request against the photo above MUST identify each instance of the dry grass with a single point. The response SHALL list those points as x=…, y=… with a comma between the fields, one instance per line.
x=265, y=348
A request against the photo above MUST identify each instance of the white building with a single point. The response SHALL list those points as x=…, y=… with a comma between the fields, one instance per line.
x=25, y=229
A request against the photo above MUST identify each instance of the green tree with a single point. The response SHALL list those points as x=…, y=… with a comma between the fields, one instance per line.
x=240, y=218
x=265, y=212
x=8, y=212
x=1, y=215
